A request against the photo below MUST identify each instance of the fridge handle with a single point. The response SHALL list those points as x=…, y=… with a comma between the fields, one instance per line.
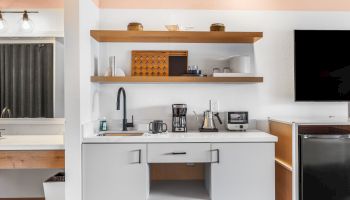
x=335, y=137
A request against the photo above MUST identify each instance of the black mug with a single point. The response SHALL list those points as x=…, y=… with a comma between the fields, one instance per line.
x=157, y=126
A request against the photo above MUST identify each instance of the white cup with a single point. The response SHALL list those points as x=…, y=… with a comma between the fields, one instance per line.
x=240, y=64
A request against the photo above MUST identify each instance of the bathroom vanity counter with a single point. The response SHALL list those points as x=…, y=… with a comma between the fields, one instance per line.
x=32, y=152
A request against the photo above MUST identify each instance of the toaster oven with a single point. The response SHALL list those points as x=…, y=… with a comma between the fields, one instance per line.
x=236, y=121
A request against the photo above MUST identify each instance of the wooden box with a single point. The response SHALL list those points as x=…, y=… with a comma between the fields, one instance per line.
x=159, y=63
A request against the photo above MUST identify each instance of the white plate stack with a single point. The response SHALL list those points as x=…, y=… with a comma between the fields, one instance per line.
x=235, y=75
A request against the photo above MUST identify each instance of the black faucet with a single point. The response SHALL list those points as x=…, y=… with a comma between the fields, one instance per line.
x=125, y=120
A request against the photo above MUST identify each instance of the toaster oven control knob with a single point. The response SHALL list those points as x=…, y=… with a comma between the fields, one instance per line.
x=241, y=126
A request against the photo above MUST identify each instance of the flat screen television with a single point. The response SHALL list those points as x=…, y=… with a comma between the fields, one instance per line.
x=322, y=65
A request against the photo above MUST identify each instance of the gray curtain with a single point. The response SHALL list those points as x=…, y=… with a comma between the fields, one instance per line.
x=26, y=79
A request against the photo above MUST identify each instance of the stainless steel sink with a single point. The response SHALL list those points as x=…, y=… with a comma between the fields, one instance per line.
x=121, y=133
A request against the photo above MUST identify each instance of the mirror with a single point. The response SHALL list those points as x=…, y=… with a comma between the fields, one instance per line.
x=31, y=78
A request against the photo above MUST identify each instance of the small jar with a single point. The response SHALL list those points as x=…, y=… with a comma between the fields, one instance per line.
x=217, y=27
x=103, y=124
x=135, y=26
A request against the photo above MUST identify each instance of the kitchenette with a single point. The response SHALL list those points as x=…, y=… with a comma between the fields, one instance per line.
x=216, y=155
x=188, y=148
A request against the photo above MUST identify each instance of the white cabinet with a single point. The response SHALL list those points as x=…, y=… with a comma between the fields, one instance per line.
x=115, y=171
x=234, y=171
x=243, y=171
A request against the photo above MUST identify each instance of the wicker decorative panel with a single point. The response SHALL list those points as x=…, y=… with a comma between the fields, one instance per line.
x=150, y=63
x=158, y=63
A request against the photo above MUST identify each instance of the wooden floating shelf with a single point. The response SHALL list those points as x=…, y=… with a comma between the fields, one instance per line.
x=175, y=79
x=175, y=36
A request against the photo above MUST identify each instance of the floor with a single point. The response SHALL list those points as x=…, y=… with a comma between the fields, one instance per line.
x=178, y=190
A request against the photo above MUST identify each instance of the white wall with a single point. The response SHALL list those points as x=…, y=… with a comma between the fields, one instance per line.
x=273, y=59
x=59, y=78
x=47, y=23
x=80, y=17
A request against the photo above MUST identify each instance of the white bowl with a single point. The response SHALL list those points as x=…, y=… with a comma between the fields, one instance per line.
x=172, y=27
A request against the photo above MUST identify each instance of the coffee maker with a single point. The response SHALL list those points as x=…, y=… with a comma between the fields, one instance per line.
x=179, y=118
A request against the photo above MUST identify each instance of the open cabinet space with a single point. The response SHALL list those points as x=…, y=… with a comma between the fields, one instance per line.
x=179, y=181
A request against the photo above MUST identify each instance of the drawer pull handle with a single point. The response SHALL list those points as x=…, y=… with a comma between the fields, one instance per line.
x=178, y=153
x=217, y=155
x=140, y=155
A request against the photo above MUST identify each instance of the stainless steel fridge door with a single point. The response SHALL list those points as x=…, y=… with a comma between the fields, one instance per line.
x=324, y=167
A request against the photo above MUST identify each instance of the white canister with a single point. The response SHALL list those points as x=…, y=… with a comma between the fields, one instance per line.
x=240, y=64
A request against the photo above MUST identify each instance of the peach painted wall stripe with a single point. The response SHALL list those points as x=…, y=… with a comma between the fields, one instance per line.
x=26, y=4
x=327, y=5
x=336, y=5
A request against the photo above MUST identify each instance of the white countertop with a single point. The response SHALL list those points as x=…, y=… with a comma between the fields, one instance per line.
x=31, y=142
x=249, y=136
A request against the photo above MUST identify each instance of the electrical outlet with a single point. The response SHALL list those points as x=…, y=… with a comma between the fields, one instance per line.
x=214, y=105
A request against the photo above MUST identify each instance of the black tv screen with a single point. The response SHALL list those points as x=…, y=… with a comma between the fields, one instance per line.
x=322, y=65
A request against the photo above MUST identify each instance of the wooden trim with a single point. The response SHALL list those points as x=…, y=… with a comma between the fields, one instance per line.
x=284, y=165
x=175, y=36
x=167, y=52
x=283, y=183
x=161, y=172
x=175, y=79
x=32, y=159
x=284, y=149
x=284, y=159
x=281, y=121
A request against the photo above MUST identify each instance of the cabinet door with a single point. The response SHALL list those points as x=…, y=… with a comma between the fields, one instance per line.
x=244, y=171
x=115, y=171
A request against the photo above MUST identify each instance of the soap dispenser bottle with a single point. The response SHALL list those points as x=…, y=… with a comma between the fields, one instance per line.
x=103, y=124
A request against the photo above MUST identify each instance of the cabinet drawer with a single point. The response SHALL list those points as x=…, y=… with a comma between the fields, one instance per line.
x=179, y=153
